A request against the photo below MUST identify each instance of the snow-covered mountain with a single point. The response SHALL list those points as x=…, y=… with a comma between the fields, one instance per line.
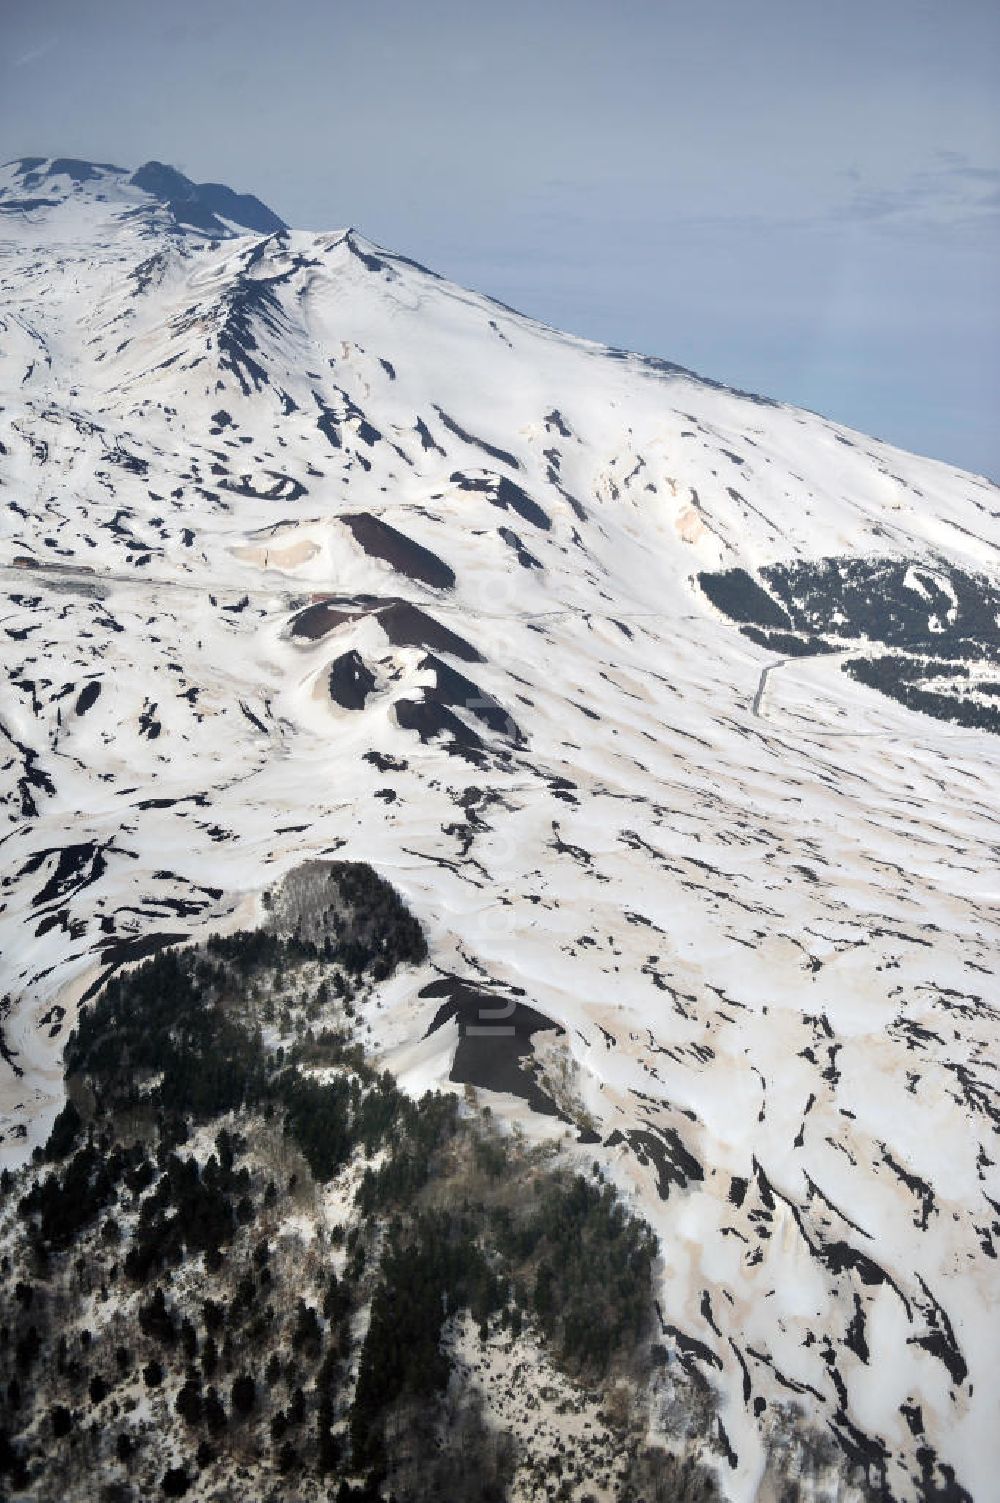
x=307, y=551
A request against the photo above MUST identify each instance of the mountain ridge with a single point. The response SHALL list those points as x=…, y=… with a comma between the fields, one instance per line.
x=750, y=890
x=211, y=208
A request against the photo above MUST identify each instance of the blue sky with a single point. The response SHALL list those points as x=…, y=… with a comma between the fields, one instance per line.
x=796, y=197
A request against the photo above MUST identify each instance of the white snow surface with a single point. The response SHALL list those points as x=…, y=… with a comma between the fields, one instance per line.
x=770, y=937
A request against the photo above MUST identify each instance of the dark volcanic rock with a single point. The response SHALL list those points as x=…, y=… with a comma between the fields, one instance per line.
x=202, y=204
x=351, y=681
x=495, y=1035
x=379, y=540
x=407, y=625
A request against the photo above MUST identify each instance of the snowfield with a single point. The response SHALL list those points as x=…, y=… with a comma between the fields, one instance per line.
x=307, y=551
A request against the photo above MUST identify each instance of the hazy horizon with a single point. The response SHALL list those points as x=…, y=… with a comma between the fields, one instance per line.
x=811, y=211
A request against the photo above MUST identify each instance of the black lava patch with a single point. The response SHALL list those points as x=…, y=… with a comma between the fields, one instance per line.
x=526, y=559
x=408, y=626
x=429, y=719
x=495, y=1035
x=454, y=689
x=400, y=552
x=480, y=443
x=662, y=1148
x=405, y=624
x=316, y=620
x=506, y=495
x=351, y=681
x=432, y=715
x=88, y=696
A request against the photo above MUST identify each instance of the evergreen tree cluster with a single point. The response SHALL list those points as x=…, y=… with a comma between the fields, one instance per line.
x=345, y=911
x=380, y=933
x=593, y=1269
x=211, y=1321
x=168, y=1039
x=426, y=1275
x=161, y=1039
x=899, y=678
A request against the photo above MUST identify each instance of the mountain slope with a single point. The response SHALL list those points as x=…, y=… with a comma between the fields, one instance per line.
x=307, y=551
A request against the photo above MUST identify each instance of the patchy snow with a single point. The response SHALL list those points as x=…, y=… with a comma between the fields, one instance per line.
x=771, y=941
x=546, y=1414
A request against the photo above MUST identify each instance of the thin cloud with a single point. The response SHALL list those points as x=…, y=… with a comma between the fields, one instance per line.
x=958, y=194
x=34, y=53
